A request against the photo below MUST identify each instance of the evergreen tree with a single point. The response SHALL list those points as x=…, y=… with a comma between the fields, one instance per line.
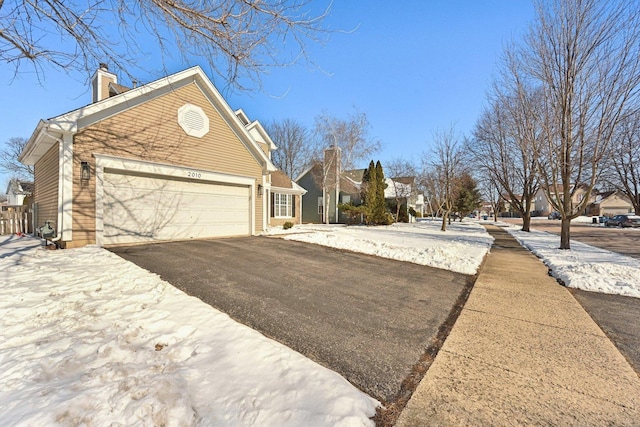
x=372, y=193
x=379, y=207
x=469, y=198
x=366, y=180
x=403, y=215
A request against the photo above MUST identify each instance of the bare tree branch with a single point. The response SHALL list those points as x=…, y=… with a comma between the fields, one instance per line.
x=9, y=159
x=350, y=134
x=239, y=39
x=585, y=57
x=446, y=164
x=294, y=151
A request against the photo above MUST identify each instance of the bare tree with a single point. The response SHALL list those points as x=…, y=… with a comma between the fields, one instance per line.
x=402, y=174
x=506, y=136
x=339, y=144
x=428, y=185
x=9, y=159
x=351, y=135
x=584, y=55
x=623, y=172
x=491, y=193
x=294, y=151
x=446, y=163
x=240, y=39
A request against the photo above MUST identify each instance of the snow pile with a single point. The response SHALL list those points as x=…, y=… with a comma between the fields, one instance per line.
x=584, y=267
x=87, y=338
x=461, y=248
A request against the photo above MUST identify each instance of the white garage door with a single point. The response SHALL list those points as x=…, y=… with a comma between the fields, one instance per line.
x=145, y=208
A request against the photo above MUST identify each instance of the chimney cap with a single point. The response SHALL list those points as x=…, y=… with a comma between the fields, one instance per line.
x=104, y=66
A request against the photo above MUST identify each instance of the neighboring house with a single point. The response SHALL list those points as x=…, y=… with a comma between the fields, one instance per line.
x=345, y=189
x=17, y=191
x=610, y=203
x=543, y=206
x=405, y=189
x=168, y=160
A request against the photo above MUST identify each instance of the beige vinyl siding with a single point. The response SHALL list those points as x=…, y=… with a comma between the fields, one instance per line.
x=46, y=187
x=150, y=132
x=258, y=206
x=265, y=148
x=614, y=205
x=274, y=222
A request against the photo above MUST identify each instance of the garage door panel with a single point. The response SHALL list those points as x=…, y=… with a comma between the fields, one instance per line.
x=143, y=209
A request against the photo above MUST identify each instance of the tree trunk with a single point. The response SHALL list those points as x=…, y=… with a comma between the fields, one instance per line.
x=565, y=234
x=444, y=222
x=326, y=208
x=526, y=221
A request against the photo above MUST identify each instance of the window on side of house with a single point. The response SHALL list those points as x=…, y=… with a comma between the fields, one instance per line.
x=320, y=206
x=282, y=205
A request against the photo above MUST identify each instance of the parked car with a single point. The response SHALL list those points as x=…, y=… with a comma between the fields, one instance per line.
x=554, y=215
x=624, y=221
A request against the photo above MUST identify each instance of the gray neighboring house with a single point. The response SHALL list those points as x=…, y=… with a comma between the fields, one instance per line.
x=342, y=187
x=346, y=189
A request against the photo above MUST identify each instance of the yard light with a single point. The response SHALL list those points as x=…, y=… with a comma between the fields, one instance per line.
x=85, y=171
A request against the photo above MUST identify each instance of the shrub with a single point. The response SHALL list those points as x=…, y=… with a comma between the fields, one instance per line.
x=287, y=225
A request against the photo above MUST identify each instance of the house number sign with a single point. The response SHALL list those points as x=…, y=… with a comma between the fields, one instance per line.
x=193, y=174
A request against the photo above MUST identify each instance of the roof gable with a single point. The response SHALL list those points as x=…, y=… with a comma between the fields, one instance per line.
x=49, y=131
x=17, y=187
x=280, y=180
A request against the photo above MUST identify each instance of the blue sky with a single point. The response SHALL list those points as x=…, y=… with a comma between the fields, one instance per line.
x=413, y=67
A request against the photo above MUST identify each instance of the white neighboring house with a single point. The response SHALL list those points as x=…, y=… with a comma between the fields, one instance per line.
x=17, y=191
x=404, y=188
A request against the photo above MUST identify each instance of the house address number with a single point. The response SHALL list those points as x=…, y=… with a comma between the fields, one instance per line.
x=191, y=174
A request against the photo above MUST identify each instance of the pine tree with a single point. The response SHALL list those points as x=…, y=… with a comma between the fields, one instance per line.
x=403, y=215
x=469, y=197
x=372, y=193
x=379, y=207
x=366, y=180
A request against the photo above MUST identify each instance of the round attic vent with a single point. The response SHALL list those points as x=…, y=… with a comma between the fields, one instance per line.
x=193, y=120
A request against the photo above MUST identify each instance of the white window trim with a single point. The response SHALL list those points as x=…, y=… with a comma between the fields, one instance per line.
x=278, y=205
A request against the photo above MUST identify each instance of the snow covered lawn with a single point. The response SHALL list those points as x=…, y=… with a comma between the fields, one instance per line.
x=584, y=266
x=460, y=249
x=87, y=338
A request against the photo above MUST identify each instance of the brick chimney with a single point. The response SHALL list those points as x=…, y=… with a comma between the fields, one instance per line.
x=332, y=169
x=332, y=165
x=100, y=83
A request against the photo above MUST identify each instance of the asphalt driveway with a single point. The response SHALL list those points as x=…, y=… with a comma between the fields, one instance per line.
x=367, y=318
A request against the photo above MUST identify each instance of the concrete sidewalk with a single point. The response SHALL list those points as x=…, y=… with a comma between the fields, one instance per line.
x=524, y=352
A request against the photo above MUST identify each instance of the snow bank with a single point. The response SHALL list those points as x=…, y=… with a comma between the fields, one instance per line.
x=87, y=338
x=584, y=267
x=461, y=248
